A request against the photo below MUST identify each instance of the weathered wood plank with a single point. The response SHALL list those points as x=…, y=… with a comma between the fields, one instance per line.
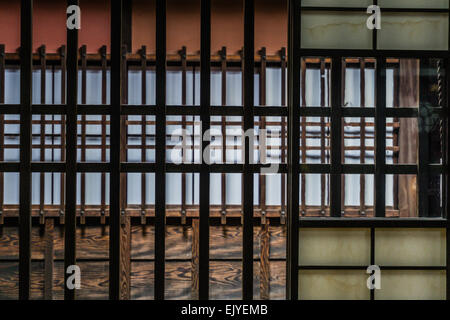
x=48, y=259
x=125, y=263
x=195, y=259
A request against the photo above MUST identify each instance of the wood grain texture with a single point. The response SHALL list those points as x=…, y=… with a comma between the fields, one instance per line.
x=264, y=262
x=125, y=263
x=195, y=259
x=48, y=259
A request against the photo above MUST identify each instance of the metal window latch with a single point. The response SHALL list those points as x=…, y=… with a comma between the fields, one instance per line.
x=283, y=217
x=41, y=217
x=143, y=217
x=82, y=217
x=223, y=217
x=61, y=217
x=183, y=217
x=102, y=217
x=263, y=218
x=322, y=212
x=362, y=212
x=303, y=213
x=2, y=221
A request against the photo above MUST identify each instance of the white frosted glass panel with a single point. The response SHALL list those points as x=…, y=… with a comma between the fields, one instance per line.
x=333, y=285
x=335, y=30
x=410, y=247
x=412, y=285
x=437, y=4
x=337, y=247
x=412, y=31
x=338, y=3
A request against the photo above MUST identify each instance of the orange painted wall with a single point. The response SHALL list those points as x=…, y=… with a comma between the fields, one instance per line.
x=183, y=25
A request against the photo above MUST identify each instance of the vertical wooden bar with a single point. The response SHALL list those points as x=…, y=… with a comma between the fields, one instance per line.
x=262, y=138
x=125, y=224
x=83, y=53
x=283, y=133
x=380, y=141
x=303, y=147
x=336, y=138
x=48, y=259
x=103, y=152
x=63, y=54
x=362, y=177
x=205, y=103
x=2, y=124
x=294, y=67
x=143, y=131
x=115, y=154
x=43, y=68
x=26, y=66
x=71, y=154
x=183, y=128
x=424, y=141
x=223, y=200
x=342, y=137
x=195, y=259
x=395, y=133
x=265, y=263
x=322, y=137
x=249, y=79
x=160, y=176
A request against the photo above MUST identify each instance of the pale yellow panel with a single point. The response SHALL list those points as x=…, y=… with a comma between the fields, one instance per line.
x=334, y=247
x=334, y=3
x=335, y=30
x=410, y=247
x=436, y=4
x=413, y=31
x=333, y=285
x=412, y=285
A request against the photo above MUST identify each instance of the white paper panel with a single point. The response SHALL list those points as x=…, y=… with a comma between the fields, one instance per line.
x=334, y=3
x=412, y=285
x=335, y=30
x=413, y=31
x=338, y=247
x=410, y=247
x=437, y=4
x=333, y=285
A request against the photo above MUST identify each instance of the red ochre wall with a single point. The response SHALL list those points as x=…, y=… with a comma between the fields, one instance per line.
x=183, y=25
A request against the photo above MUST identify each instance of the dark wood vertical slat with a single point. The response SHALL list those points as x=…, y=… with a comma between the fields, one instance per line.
x=127, y=13
x=195, y=260
x=380, y=140
x=249, y=71
x=71, y=154
x=223, y=199
x=262, y=138
x=115, y=155
x=303, y=137
x=336, y=138
x=342, y=137
x=424, y=140
x=205, y=103
x=395, y=133
x=2, y=124
x=183, y=128
x=103, y=142
x=125, y=226
x=143, y=131
x=26, y=66
x=322, y=136
x=43, y=67
x=265, y=263
x=83, y=53
x=63, y=53
x=125, y=262
x=160, y=176
x=283, y=131
x=362, y=177
x=48, y=259
x=294, y=63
